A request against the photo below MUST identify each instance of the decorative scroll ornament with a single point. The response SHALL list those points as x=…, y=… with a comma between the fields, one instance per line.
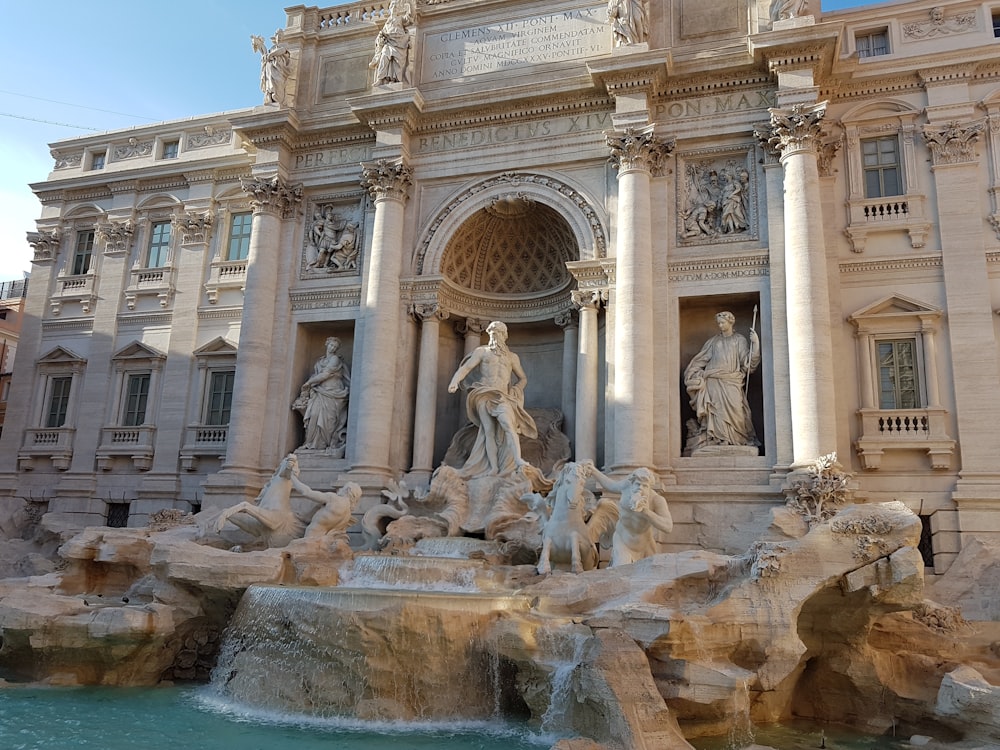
x=65, y=161
x=427, y=311
x=194, y=227
x=638, y=149
x=566, y=319
x=953, y=143
x=796, y=129
x=133, y=149
x=212, y=136
x=45, y=244
x=938, y=25
x=386, y=179
x=470, y=326
x=272, y=195
x=116, y=236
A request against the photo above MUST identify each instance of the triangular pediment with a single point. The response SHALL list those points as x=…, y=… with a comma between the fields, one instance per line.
x=895, y=305
x=217, y=347
x=137, y=351
x=61, y=356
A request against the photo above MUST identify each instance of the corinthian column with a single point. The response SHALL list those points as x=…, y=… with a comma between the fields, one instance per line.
x=587, y=364
x=272, y=202
x=796, y=136
x=638, y=155
x=425, y=412
x=387, y=183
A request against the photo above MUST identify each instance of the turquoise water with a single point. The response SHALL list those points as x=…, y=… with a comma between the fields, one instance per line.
x=196, y=719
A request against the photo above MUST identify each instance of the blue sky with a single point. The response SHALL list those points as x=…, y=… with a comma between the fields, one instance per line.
x=113, y=64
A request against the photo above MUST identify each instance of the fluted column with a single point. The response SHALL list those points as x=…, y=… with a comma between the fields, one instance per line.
x=387, y=183
x=637, y=155
x=587, y=368
x=796, y=135
x=273, y=201
x=425, y=411
x=567, y=321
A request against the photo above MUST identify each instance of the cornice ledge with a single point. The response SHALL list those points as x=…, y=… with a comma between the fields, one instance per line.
x=267, y=126
x=392, y=108
x=945, y=75
x=647, y=70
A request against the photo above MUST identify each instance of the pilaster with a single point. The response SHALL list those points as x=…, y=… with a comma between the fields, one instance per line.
x=430, y=317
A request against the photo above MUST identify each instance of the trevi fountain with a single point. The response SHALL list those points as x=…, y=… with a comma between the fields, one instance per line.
x=520, y=588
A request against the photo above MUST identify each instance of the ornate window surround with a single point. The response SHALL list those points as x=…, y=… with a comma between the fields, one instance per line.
x=135, y=442
x=923, y=428
x=153, y=282
x=906, y=212
x=81, y=288
x=991, y=105
x=53, y=443
x=227, y=275
x=201, y=439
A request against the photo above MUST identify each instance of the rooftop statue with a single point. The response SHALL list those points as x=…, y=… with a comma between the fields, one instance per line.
x=323, y=402
x=495, y=405
x=715, y=380
x=629, y=21
x=392, y=46
x=275, y=68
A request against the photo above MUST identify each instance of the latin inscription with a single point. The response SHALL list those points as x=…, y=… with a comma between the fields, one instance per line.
x=515, y=131
x=516, y=44
x=713, y=105
x=331, y=157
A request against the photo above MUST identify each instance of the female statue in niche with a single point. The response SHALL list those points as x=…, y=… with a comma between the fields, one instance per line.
x=629, y=22
x=323, y=403
x=715, y=379
x=275, y=68
x=392, y=46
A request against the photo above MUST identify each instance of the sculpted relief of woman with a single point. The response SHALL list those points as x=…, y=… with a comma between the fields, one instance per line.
x=323, y=403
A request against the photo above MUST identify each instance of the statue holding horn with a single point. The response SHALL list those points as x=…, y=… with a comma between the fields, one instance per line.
x=715, y=380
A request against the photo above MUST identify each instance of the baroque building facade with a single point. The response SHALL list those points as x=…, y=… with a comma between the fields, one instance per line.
x=602, y=179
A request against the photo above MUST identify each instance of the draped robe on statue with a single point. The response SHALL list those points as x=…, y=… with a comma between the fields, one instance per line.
x=714, y=381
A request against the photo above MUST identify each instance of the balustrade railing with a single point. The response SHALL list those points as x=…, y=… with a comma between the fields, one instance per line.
x=342, y=16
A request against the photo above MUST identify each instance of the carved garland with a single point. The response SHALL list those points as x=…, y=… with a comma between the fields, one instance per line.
x=513, y=178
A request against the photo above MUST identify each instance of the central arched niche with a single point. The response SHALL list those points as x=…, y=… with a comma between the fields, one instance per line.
x=513, y=246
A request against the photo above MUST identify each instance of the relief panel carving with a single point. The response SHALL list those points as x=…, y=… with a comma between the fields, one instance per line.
x=717, y=197
x=332, y=242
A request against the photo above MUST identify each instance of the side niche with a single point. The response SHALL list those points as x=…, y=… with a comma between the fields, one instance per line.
x=717, y=197
x=332, y=240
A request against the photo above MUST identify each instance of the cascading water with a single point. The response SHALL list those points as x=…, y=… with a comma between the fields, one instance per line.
x=374, y=654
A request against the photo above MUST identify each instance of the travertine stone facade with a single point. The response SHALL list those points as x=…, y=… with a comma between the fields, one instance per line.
x=604, y=196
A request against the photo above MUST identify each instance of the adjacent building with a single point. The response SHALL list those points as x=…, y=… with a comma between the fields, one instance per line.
x=604, y=186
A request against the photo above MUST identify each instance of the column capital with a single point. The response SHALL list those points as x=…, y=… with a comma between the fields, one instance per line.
x=194, y=227
x=953, y=142
x=386, y=178
x=467, y=326
x=590, y=299
x=638, y=149
x=796, y=128
x=566, y=318
x=45, y=243
x=427, y=311
x=116, y=236
x=272, y=195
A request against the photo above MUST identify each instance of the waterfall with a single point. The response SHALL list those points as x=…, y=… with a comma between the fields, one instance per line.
x=370, y=653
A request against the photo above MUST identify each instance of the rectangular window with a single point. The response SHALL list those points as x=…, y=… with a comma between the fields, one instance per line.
x=83, y=253
x=897, y=374
x=238, y=247
x=996, y=24
x=171, y=149
x=159, y=244
x=117, y=517
x=872, y=44
x=136, y=397
x=880, y=157
x=58, y=400
x=97, y=159
x=220, y=397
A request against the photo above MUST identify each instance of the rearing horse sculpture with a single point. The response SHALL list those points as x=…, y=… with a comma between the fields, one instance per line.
x=570, y=533
x=269, y=518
